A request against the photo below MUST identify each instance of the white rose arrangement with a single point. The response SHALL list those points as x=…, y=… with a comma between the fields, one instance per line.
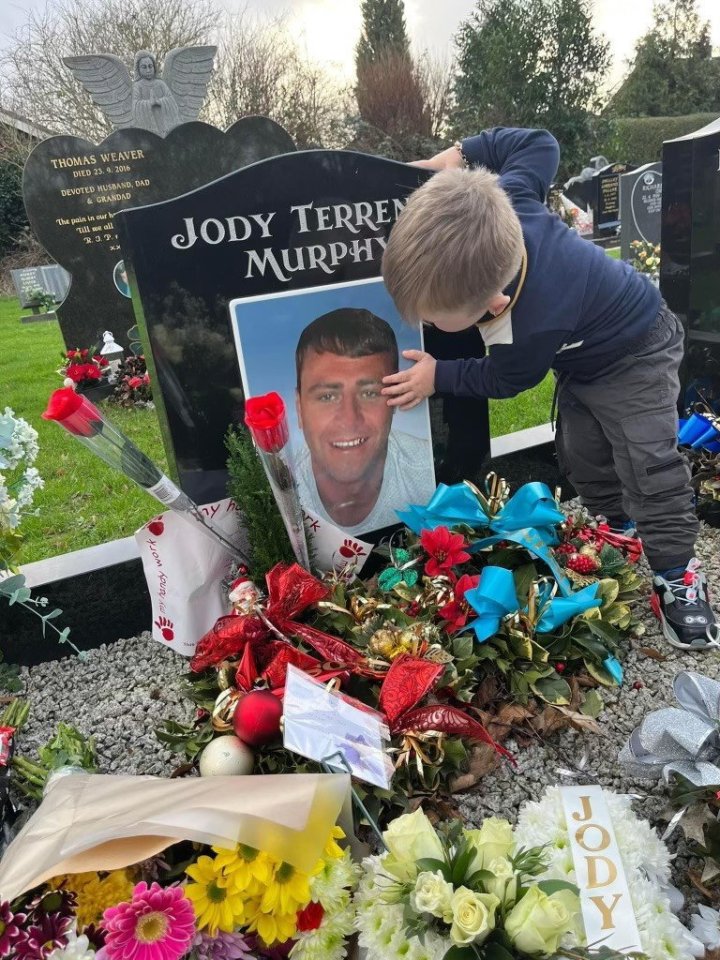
x=460, y=893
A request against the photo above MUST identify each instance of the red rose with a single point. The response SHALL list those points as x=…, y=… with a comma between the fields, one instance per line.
x=135, y=382
x=71, y=354
x=446, y=550
x=73, y=412
x=101, y=361
x=265, y=417
x=83, y=353
x=310, y=917
x=91, y=371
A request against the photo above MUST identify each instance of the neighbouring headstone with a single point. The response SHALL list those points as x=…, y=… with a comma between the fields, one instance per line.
x=49, y=278
x=640, y=206
x=606, y=200
x=690, y=257
x=579, y=189
x=73, y=188
x=311, y=219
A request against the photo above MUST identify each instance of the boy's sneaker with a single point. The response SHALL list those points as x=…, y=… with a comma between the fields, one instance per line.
x=680, y=602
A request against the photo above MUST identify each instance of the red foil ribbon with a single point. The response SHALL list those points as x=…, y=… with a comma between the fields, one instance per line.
x=291, y=590
x=450, y=720
x=408, y=680
x=631, y=546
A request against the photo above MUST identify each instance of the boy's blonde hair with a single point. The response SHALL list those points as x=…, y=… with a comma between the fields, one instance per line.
x=456, y=245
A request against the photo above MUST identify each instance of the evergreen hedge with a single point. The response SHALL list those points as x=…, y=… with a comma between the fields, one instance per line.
x=639, y=139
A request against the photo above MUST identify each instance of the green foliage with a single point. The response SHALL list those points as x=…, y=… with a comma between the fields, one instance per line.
x=10, y=681
x=639, y=140
x=12, y=209
x=673, y=71
x=383, y=29
x=42, y=299
x=250, y=489
x=68, y=748
x=533, y=63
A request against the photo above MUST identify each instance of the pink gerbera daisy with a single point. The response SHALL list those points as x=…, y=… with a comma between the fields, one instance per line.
x=157, y=924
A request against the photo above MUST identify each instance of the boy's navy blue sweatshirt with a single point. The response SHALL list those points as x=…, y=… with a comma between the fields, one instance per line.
x=578, y=309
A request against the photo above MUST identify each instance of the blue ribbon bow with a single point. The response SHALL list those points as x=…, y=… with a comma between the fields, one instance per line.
x=495, y=597
x=528, y=518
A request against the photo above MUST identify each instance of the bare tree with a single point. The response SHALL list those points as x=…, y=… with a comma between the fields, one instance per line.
x=390, y=96
x=261, y=70
x=39, y=86
x=436, y=75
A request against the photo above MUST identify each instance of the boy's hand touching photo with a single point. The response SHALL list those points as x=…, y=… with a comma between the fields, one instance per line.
x=409, y=387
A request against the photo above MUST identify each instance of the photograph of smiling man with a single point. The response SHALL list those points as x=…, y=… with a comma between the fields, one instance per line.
x=326, y=351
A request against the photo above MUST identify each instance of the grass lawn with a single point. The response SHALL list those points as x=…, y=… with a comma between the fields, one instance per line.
x=84, y=502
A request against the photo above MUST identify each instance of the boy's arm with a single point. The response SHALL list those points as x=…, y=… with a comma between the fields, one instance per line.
x=523, y=158
x=505, y=372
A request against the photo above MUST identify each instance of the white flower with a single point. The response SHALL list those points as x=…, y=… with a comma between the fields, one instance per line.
x=328, y=941
x=329, y=887
x=705, y=925
x=645, y=859
x=433, y=894
x=77, y=948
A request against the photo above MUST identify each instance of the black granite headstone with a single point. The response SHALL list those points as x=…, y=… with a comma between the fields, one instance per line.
x=301, y=220
x=640, y=206
x=690, y=235
x=690, y=254
x=606, y=201
x=72, y=189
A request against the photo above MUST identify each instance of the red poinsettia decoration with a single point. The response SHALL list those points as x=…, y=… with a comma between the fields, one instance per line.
x=446, y=550
x=456, y=612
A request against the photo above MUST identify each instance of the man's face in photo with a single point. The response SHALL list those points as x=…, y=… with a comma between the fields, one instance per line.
x=342, y=413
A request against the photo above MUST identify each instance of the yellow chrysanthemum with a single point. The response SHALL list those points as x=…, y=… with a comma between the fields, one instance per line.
x=249, y=869
x=332, y=849
x=217, y=904
x=96, y=893
x=274, y=928
x=287, y=892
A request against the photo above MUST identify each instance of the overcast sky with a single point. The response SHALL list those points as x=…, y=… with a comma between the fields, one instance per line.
x=330, y=28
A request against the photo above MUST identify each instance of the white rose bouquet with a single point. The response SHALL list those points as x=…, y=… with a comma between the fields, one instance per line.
x=453, y=893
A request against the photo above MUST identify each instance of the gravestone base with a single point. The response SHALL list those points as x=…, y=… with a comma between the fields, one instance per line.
x=39, y=317
x=99, y=607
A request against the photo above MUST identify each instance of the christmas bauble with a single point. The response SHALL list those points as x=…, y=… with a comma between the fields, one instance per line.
x=226, y=756
x=257, y=717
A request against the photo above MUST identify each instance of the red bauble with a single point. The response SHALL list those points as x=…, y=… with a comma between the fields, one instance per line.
x=256, y=720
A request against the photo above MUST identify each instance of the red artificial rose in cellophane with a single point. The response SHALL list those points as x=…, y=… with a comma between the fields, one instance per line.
x=266, y=419
x=74, y=412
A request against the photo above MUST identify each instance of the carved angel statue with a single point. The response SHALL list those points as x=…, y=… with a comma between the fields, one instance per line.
x=147, y=101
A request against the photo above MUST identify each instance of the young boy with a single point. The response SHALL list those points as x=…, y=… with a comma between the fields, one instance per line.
x=476, y=245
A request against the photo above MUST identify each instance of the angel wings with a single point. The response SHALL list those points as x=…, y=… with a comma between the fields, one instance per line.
x=148, y=101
